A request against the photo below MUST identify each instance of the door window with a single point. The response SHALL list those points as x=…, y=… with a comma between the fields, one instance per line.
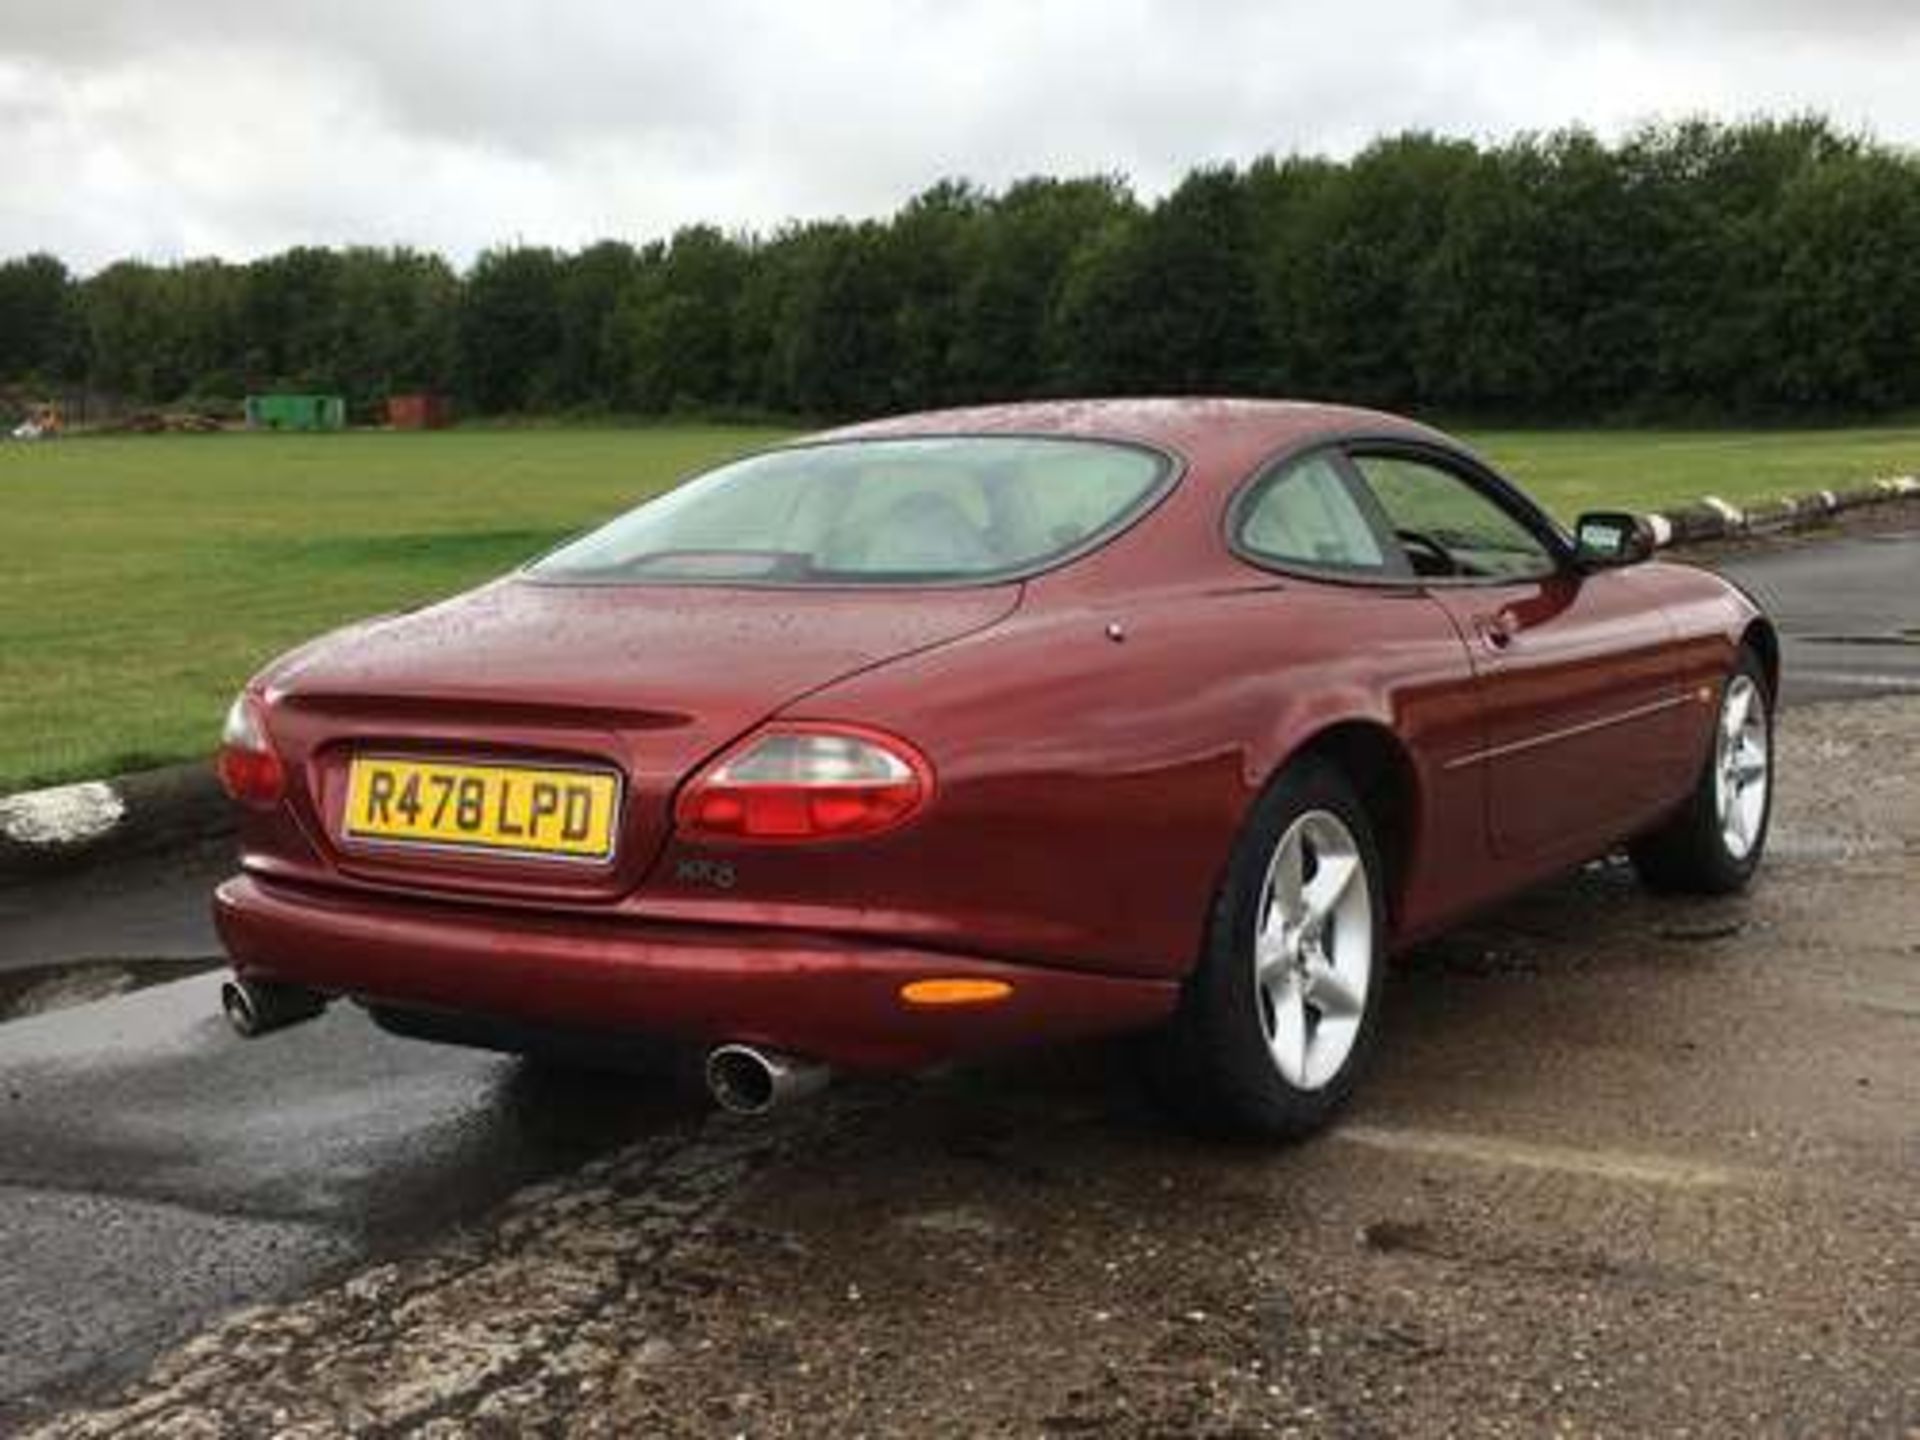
x=1448, y=526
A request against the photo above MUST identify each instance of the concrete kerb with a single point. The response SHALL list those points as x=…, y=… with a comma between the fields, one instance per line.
x=66, y=827
x=1713, y=519
x=70, y=826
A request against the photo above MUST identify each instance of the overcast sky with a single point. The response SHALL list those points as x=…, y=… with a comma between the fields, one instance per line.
x=238, y=127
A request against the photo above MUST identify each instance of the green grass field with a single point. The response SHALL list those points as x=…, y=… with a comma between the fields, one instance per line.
x=145, y=578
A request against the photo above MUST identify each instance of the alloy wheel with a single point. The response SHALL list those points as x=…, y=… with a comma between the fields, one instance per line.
x=1313, y=949
x=1740, y=766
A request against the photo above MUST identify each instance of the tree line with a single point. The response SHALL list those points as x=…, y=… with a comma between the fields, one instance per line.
x=1699, y=270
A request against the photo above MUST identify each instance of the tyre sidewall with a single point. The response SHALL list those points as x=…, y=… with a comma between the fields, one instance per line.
x=1739, y=870
x=1229, y=1067
x=1690, y=852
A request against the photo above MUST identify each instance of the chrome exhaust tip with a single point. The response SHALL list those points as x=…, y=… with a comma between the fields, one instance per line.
x=747, y=1081
x=259, y=1007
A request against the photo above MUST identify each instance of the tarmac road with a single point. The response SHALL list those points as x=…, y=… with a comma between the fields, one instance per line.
x=1848, y=610
x=1624, y=1163
x=155, y=1171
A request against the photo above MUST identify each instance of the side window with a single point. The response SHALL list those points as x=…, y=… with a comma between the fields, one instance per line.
x=1306, y=514
x=1447, y=527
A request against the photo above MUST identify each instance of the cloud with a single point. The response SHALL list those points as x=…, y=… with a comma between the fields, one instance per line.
x=212, y=126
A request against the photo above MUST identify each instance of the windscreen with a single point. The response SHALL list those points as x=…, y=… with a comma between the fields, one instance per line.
x=874, y=512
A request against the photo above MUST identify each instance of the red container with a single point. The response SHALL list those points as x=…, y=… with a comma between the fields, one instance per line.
x=422, y=411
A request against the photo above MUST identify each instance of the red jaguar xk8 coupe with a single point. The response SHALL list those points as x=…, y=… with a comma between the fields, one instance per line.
x=945, y=733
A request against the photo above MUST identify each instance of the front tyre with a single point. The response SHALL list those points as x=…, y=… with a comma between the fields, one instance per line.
x=1712, y=844
x=1277, y=1020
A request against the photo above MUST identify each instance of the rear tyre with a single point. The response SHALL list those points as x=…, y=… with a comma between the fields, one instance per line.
x=1277, y=1020
x=1712, y=844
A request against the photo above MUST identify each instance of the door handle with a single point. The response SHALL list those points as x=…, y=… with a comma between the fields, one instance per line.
x=1494, y=631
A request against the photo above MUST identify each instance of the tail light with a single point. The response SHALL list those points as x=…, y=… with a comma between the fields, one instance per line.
x=250, y=771
x=806, y=782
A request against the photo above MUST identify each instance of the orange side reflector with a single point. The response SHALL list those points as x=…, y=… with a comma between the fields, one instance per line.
x=955, y=992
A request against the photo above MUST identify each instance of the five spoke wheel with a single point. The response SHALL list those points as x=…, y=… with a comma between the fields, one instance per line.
x=1276, y=1022
x=1740, y=765
x=1313, y=949
x=1711, y=843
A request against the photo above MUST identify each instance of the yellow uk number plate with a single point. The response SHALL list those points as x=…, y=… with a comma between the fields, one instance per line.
x=512, y=809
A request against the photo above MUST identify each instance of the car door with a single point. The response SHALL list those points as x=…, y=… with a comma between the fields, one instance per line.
x=1576, y=674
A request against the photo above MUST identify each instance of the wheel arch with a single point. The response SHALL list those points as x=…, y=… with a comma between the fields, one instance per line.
x=1761, y=638
x=1375, y=761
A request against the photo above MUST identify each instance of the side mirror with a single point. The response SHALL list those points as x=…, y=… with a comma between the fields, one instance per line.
x=1607, y=539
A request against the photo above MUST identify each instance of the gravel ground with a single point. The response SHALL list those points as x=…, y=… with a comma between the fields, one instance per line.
x=1625, y=1165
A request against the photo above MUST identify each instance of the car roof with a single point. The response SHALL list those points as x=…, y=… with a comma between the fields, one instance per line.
x=1201, y=428
x=1219, y=441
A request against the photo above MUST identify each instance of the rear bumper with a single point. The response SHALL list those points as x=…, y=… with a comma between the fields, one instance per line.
x=820, y=996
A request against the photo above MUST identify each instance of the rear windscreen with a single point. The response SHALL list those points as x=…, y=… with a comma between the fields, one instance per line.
x=875, y=512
